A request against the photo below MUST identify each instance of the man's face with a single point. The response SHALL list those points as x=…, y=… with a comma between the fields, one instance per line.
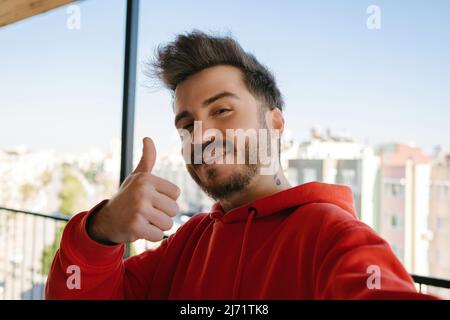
x=219, y=98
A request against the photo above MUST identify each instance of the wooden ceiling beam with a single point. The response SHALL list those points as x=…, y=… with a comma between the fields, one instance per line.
x=15, y=10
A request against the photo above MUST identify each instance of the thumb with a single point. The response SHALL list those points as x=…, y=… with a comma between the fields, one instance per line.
x=148, y=156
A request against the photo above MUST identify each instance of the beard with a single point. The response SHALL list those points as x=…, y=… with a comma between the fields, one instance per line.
x=238, y=180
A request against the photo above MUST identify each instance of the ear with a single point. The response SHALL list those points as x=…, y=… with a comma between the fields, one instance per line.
x=276, y=120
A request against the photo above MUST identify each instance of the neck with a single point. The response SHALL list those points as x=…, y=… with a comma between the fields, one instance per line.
x=261, y=186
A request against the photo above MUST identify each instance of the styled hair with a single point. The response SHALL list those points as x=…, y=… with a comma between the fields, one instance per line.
x=192, y=52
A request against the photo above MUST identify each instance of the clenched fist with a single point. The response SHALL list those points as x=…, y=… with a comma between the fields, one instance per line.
x=142, y=209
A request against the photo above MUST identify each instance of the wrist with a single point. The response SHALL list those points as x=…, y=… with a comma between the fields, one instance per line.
x=94, y=227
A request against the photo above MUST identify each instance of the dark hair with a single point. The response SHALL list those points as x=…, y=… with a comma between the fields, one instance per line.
x=192, y=52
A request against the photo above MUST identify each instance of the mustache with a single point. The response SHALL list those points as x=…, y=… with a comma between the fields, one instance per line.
x=198, y=151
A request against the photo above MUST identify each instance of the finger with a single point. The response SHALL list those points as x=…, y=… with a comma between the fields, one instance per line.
x=159, y=219
x=148, y=156
x=166, y=204
x=166, y=187
x=149, y=232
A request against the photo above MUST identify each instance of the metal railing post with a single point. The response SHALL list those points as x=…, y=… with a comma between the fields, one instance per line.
x=129, y=91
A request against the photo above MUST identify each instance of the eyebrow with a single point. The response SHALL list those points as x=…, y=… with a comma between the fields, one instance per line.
x=206, y=103
x=219, y=96
x=181, y=115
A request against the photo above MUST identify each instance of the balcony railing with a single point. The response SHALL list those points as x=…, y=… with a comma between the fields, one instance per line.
x=30, y=239
x=430, y=281
x=27, y=241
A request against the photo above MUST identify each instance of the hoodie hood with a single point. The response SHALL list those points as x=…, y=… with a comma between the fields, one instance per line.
x=311, y=192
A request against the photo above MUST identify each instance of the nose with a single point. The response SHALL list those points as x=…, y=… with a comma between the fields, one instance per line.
x=203, y=133
x=206, y=132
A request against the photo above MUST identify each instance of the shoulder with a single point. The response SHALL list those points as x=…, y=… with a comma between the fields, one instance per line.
x=325, y=221
x=195, y=224
x=323, y=212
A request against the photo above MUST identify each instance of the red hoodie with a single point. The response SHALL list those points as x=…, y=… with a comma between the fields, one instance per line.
x=300, y=243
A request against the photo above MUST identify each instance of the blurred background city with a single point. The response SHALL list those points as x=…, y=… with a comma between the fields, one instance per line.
x=365, y=107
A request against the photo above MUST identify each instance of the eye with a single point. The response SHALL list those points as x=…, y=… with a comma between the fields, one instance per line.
x=221, y=110
x=188, y=127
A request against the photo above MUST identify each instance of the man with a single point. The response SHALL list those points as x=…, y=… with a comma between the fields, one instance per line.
x=263, y=239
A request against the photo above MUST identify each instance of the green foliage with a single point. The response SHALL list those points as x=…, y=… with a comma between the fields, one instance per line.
x=27, y=190
x=49, y=251
x=46, y=177
x=72, y=194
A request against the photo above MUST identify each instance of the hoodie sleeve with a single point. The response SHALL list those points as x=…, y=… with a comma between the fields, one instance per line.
x=85, y=269
x=355, y=263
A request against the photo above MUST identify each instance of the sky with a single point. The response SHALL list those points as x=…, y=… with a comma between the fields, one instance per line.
x=61, y=89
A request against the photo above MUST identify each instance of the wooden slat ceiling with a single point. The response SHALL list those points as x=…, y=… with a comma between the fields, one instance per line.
x=14, y=10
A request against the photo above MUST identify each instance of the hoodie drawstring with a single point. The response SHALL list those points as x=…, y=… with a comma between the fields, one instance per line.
x=237, y=282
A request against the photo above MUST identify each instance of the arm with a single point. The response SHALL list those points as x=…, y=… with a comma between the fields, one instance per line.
x=356, y=263
x=103, y=274
x=89, y=263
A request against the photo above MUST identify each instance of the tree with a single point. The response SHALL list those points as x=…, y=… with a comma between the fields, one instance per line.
x=49, y=251
x=72, y=194
x=46, y=177
x=27, y=190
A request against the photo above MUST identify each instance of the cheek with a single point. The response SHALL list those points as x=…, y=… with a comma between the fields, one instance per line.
x=246, y=119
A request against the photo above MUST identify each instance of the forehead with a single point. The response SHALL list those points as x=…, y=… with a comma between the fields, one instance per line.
x=202, y=85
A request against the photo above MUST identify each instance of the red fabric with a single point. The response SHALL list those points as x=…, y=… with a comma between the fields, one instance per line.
x=301, y=243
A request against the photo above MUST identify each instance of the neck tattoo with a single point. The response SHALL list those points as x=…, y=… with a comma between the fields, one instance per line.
x=277, y=180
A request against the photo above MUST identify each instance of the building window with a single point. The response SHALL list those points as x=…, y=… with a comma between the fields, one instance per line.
x=395, y=221
x=348, y=177
x=441, y=193
x=394, y=189
x=292, y=176
x=440, y=224
x=309, y=175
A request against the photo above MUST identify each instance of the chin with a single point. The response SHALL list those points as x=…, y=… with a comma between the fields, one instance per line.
x=217, y=171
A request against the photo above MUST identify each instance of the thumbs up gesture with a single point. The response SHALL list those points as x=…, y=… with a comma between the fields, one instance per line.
x=142, y=209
